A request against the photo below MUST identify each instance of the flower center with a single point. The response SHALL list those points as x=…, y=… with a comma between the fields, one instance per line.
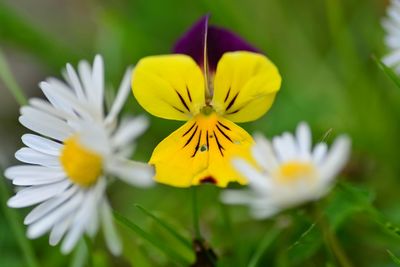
x=82, y=165
x=293, y=171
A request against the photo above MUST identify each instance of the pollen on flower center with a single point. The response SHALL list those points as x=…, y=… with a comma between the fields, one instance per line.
x=293, y=171
x=82, y=165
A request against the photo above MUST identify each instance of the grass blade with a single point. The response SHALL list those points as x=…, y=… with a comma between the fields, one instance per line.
x=393, y=257
x=10, y=82
x=16, y=226
x=166, y=226
x=267, y=240
x=151, y=239
x=388, y=71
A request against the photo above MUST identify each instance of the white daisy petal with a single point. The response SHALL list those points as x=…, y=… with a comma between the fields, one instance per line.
x=36, y=194
x=237, y=197
x=132, y=172
x=75, y=83
x=263, y=153
x=303, y=135
x=59, y=230
x=27, y=181
x=85, y=73
x=129, y=130
x=65, y=99
x=257, y=181
x=31, y=156
x=110, y=234
x=97, y=196
x=98, y=82
x=46, y=107
x=42, y=144
x=120, y=99
x=319, y=153
x=297, y=174
x=336, y=158
x=392, y=59
x=45, y=124
x=391, y=25
x=45, y=223
x=64, y=169
x=79, y=223
x=47, y=206
x=29, y=171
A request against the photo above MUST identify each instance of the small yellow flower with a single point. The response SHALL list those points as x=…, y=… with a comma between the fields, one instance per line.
x=242, y=88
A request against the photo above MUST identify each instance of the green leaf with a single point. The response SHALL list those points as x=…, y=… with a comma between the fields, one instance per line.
x=166, y=226
x=347, y=200
x=388, y=71
x=151, y=239
x=393, y=257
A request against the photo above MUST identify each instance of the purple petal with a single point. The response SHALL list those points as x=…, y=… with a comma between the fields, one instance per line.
x=192, y=43
x=219, y=41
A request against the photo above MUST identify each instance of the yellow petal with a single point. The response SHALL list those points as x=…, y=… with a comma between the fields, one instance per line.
x=201, y=151
x=169, y=86
x=245, y=86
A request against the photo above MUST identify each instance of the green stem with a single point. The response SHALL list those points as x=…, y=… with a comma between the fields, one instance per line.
x=196, y=224
x=337, y=249
x=16, y=226
x=263, y=245
x=89, y=246
x=331, y=239
x=10, y=82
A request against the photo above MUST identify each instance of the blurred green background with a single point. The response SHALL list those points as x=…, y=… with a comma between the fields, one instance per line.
x=323, y=49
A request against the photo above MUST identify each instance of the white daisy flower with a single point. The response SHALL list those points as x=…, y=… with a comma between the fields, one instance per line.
x=289, y=172
x=391, y=24
x=67, y=162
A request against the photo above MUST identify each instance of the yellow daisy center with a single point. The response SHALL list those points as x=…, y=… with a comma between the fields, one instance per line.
x=82, y=165
x=293, y=171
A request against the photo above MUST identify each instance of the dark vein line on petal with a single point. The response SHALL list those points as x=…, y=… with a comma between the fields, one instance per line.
x=182, y=100
x=233, y=112
x=181, y=111
x=198, y=145
x=223, y=125
x=219, y=145
x=189, y=130
x=207, y=141
x=224, y=134
x=232, y=102
x=188, y=93
x=191, y=137
x=227, y=95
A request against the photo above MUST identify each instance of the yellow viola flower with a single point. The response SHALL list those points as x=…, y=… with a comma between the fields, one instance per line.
x=213, y=80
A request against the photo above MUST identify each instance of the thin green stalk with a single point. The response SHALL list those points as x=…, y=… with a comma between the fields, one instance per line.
x=337, y=249
x=331, y=239
x=80, y=255
x=16, y=226
x=167, y=227
x=151, y=239
x=196, y=224
x=263, y=245
x=89, y=246
x=10, y=82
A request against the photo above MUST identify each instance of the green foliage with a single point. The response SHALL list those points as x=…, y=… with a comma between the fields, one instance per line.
x=154, y=240
x=345, y=202
x=323, y=51
x=394, y=257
